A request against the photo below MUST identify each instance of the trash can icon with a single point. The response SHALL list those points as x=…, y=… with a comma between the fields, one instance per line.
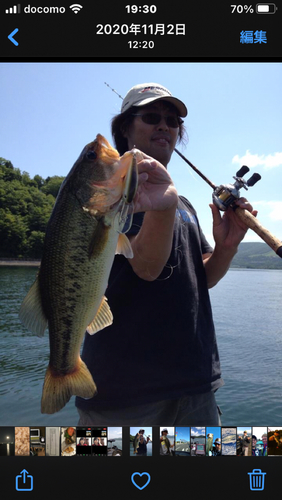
x=257, y=480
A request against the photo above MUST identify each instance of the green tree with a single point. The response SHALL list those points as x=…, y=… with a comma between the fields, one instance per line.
x=35, y=244
x=39, y=181
x=25, y=208
x=8, y=171
x=52, y=185
x=12, y=234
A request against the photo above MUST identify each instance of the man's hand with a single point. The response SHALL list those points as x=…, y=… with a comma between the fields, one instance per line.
x=156, y=190
x=228, y=229
x=228, y=232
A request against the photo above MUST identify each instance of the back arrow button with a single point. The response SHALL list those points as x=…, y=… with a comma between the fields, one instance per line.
x=11, y=37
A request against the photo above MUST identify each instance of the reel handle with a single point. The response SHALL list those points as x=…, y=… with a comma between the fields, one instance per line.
x=243, y=170
x=256, y=226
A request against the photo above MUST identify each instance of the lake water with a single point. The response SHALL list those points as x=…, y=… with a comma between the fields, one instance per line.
x=117, y=443
x=248, y=320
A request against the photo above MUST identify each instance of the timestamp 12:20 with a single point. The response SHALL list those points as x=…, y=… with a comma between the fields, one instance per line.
x=144, y=44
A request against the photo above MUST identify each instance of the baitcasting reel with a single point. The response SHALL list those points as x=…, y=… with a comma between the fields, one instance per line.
x=224, y=195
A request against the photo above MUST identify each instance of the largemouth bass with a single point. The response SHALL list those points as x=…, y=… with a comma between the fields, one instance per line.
x=136, y=443
x=209, y=445
x=84, y=232
x=167, y=444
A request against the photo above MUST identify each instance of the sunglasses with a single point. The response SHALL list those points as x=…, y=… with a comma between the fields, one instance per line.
x=155, y=118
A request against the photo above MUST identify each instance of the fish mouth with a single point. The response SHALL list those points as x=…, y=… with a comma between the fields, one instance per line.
x=121, y=188
x=129, y=177
x=130, y=182
x=107, y=154
x=124, y=208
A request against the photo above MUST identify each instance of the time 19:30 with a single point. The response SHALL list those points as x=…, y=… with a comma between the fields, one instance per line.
x=141, y=9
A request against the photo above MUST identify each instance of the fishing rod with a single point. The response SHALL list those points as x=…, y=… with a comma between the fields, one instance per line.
x=225, y=196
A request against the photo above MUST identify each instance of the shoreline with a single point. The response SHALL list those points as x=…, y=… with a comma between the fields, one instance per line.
x=36, y=263
x=14, y=262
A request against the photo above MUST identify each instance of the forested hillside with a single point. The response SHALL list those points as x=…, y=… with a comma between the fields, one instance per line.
x=256, y=256
x=25, y=207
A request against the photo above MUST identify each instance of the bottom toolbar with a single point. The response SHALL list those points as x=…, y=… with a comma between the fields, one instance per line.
x=140, y=441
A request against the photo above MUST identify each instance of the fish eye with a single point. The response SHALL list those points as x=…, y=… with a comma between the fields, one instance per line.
x=91, y=155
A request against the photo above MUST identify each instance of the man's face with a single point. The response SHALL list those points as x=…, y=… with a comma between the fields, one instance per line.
x=157, y=140
x=254, y=442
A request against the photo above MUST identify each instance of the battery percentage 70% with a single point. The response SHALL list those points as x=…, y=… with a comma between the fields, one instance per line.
x=239, y=9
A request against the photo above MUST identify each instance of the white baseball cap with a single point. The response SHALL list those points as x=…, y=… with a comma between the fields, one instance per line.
x=145, y=93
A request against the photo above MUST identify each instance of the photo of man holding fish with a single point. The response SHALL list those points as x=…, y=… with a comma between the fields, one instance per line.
x=123, y=284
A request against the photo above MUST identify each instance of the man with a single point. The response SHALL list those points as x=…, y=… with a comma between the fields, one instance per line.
x=216, y=450
x=159, y=298
x=275, y=443
x=245, y=441
x=165, y=444
x=141, y=449
x=264, y=440
x=255, y=450
x=259, y=447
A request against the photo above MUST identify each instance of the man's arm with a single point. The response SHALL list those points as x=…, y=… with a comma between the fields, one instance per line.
x=228, y=232
x=157, y=197
x=217, y=264
x=152, y=245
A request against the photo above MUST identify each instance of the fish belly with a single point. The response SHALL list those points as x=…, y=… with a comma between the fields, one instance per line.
x=76, y=263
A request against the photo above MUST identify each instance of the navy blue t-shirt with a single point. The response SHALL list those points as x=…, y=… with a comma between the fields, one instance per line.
x=162, y=342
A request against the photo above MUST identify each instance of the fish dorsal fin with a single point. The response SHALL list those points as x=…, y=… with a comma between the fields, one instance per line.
x=124, y=246
x=102, y=319
x=31, y=312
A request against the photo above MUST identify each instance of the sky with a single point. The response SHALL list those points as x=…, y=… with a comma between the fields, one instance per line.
x=259, y=431
x=148, y=431
x=198, y=431
x=114, y=432
x=240, y=431
x=216, y=431
x=7, y=434
x=170, y=430
x=182, y=433
x=50, y=111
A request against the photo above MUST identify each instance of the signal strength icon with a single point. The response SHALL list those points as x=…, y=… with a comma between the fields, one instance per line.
x=76, y=7
x=16, y=9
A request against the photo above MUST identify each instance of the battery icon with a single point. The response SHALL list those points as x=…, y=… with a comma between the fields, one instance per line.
x=266, y=8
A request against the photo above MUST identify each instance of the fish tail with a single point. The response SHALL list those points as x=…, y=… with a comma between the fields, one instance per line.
x=58, y=388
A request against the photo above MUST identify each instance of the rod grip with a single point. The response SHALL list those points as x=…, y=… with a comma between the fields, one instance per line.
x=254, y=224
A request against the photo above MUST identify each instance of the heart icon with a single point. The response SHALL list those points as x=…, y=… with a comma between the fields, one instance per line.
x=140, y=475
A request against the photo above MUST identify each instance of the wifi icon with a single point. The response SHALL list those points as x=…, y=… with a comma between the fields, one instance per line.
x=75, y=7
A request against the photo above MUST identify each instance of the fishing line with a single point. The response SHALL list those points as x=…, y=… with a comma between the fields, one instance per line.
x=114, y=90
